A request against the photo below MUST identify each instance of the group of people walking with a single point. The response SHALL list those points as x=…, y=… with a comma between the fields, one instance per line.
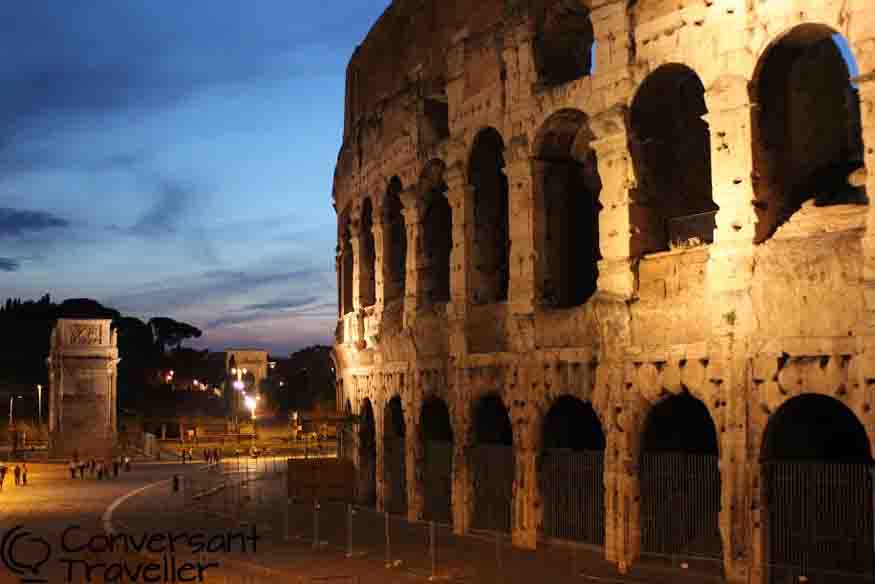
x=20, y=473
x=99, y=468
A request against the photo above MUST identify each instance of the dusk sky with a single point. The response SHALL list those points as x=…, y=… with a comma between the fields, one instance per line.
x=175, y=159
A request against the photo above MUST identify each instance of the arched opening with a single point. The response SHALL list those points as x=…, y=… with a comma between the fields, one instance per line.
x=818, y=491
x=668, y=133
x=438, y=232
x=491, y=464
x=571, y=472
x=491, y=221
x=806, y=126
x=347, y=262
x=367, y=491
x=563, y=42
x=567, y=187
x=395, y=249
x=368, y=274
x=394, y=462
x=680, y=480
x=437, y=443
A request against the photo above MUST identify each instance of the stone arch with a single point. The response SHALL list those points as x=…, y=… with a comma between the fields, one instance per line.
x=368, y=260
x=563, y=42
x=395, y=245
x=367, y=455
x=668, y=132
x=679, y=479
x=347, y=261
x=491, y=464
x=436, y=438
x=647, y=10
x=816, y=459
x=806, y=126
x=395, y=457
x=491, y=232
x=567, y=187
x=437, y=227
x=571, y=472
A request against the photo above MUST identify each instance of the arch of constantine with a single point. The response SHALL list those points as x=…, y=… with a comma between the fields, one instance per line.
x=606, y=274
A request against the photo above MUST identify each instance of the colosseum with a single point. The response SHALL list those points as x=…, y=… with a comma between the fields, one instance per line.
x=605, y=276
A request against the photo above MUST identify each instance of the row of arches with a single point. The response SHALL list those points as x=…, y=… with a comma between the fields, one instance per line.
x=807, y=141
x=815, y=456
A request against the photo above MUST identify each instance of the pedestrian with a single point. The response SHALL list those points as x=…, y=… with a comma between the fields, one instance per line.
x=3, y=469
x=17, y=473
x=24, y=474
x=115, y=465
x=127, y=463
x=72, y=469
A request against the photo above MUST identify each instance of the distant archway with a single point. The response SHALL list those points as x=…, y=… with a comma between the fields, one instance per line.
x=563, y=43
x=491, y=463
x=670, y=133
x=818, y=488
x=571, y=472
x=395, y=457
x=680, y=480
x=368, y=273
x=567, y=187
x=367, y=491
x=437, y=447
x=491, y=219
x=395, y=248
x=438, y=231
x=806, y=126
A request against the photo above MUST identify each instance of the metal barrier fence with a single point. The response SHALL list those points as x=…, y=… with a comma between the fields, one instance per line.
x=820, y=518
x=492, y=470
x=680, y=505
x=395, y=474
x=572, y=487
x=438, y=482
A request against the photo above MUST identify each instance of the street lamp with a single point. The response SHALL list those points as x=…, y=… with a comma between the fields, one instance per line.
x=11, y=401
x=39, y=393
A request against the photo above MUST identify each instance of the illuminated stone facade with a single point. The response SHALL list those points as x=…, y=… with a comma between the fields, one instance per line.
x=683, y=213
x=82, y=385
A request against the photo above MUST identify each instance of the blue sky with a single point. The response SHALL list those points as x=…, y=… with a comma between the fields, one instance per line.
x=175, y=158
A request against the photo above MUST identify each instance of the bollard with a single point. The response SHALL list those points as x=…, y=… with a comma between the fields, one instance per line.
x=349, y=513
x=432, y=550
x=388, y=541
x=287, y=520
x=316, y=525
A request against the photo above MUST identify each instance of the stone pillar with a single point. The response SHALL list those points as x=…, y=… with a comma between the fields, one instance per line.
x=416, y=270
x=381, y=455
x=522, y=293
x=82, y=386
x=413, y=458
x=461, y=198
x=866, y=84
x=615, y=220
x=381, y=266
x=730, y=271
x=462, y=499
x=525, y=495
x=357, y=264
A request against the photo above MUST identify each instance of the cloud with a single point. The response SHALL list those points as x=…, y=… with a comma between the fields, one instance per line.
x=282, y=304
x=172, y=199
x=325, y=310
x=9, y=265
x=22, y=222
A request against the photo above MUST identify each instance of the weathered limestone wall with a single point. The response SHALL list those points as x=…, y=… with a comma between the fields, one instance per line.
x=82, y=385
x=774, y=307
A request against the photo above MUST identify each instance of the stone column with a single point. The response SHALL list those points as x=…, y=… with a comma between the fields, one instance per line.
x=522, y=294
x=615, y=220
x=82, y=388
x=866, y=84
x=460, y=416
x=413, y=458
x=417, y=292
x=358, y=265
x=525, y=494
x=381, y=456
x=381, y=266
x=461, y=198
x=730, y=271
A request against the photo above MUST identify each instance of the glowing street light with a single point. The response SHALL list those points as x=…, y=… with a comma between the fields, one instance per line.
x=39, y=393
x=12, y=401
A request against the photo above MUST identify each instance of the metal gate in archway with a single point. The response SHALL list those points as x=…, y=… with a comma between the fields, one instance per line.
x=395, y=475
x=492, y=469
x=573, y=491
x=680, y=504
x=438, y=482
x=820, y=520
